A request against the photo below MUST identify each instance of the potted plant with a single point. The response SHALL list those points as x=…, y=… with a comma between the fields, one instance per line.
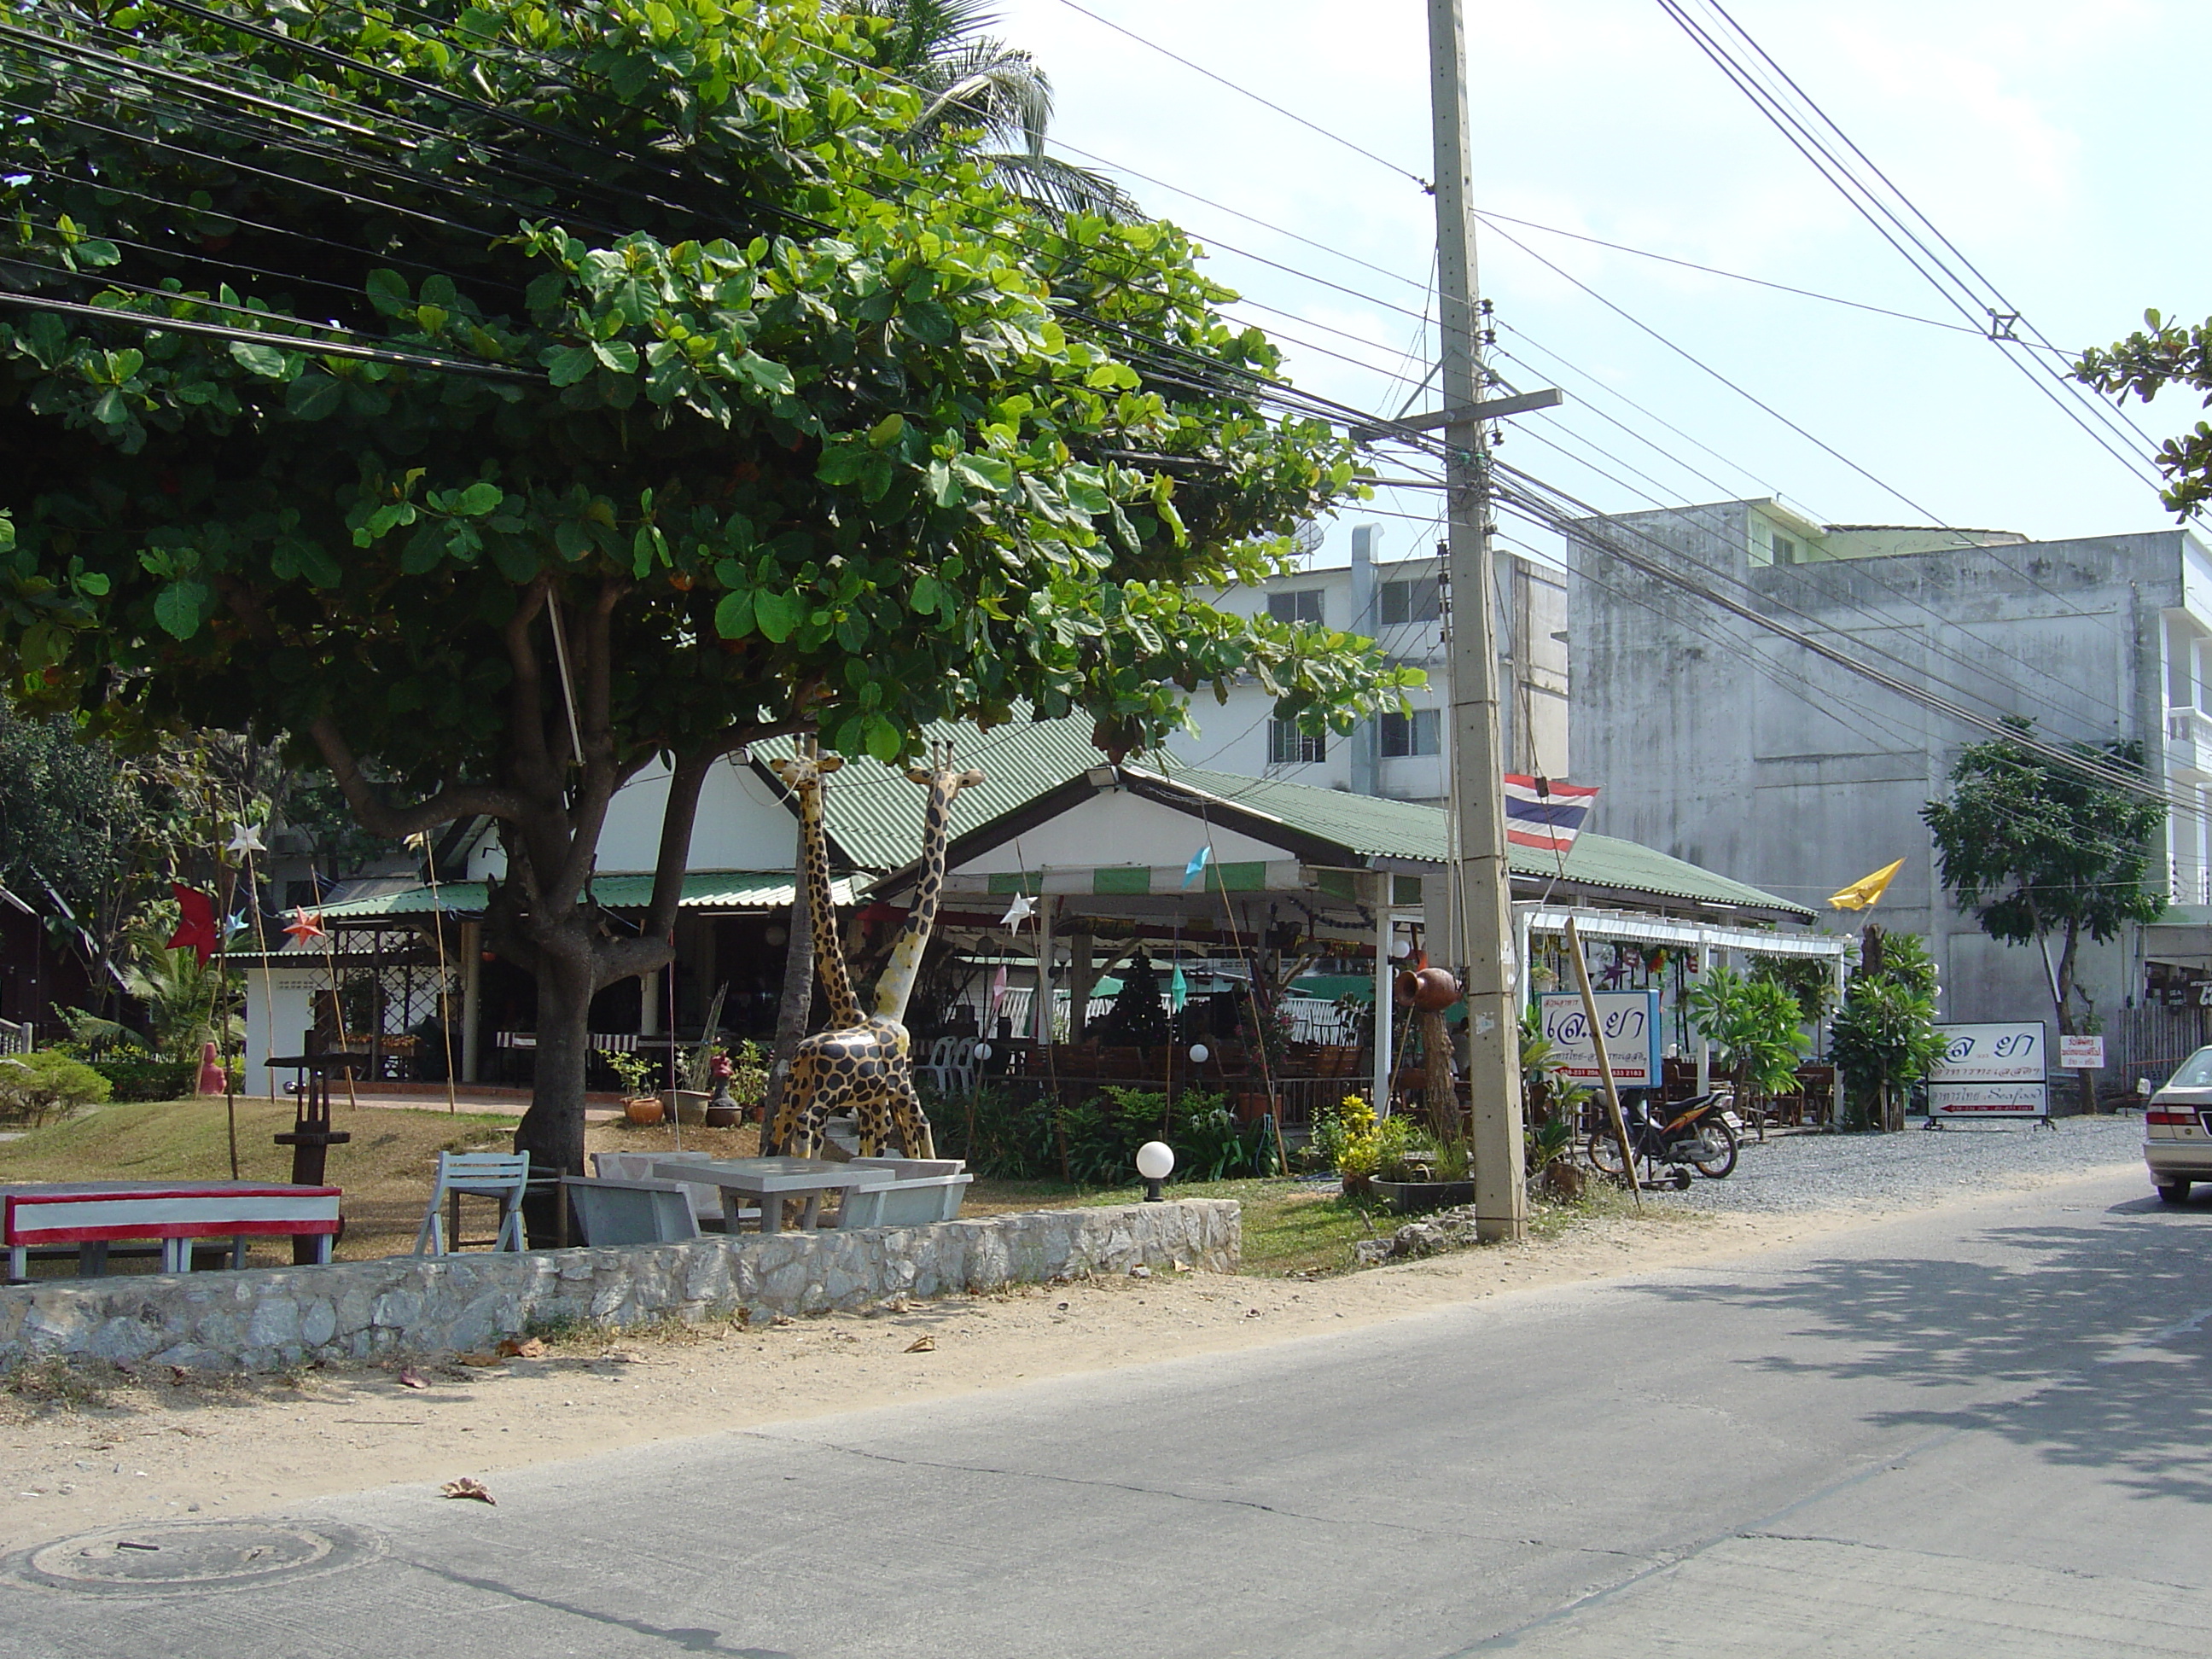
x=640, y=1104
x=740, y=1085
x=1418, y=1172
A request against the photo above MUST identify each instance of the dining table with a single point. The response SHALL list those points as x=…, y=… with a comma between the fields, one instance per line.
x=769, y=1181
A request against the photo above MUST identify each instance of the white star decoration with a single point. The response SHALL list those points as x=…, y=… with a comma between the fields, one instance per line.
x=245, y=838
x=1019, y=911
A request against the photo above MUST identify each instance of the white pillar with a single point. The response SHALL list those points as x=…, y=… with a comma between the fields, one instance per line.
x=1384, y=1007
x=1041, y=1004
x=1705, y=1049
x=648, y=1003
x=472, y=1001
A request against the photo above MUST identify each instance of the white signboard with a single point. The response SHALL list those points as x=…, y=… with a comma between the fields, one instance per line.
x=1630, y=1020
x=2082, y=1053
x=1991, y=1071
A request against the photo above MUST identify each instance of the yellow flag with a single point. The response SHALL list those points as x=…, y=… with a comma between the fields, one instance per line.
x=1866, y=889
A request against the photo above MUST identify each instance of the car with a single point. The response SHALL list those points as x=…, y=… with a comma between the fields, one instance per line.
x=2178, y=1129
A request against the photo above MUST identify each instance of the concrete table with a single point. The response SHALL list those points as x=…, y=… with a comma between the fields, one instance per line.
x=771, y=1181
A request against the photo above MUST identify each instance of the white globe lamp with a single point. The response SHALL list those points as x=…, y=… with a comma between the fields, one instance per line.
x=1155, y=1163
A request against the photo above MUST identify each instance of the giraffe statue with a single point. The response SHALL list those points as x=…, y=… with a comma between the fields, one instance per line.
x=860, y=1064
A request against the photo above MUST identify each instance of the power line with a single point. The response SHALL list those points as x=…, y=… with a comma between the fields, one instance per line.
x=1246, y=91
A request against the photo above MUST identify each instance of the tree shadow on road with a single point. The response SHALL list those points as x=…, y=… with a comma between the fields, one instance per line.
x=2097, y=1339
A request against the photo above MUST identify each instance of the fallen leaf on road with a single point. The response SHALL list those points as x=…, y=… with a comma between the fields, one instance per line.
x=922, y=1345
x=466, y=1487
x=478, y=1358
x=528, y=1347
x=623, y=1355
x=409, y=1378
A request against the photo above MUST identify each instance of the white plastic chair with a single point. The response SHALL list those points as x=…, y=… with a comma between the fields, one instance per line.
x=950, y=1068
x=502, y=1176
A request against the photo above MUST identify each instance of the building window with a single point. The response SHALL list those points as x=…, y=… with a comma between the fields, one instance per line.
x=1420, y=733
x=1288, y=746
x=1413, y=600
x=1785, y=550
x=1300, y=604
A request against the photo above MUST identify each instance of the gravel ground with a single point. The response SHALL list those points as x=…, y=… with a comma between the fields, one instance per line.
x=1796, y=1173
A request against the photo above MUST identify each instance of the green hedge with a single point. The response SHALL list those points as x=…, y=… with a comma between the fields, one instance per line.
x=35, y=1087
x=142, y=1077
x=1096, y=1143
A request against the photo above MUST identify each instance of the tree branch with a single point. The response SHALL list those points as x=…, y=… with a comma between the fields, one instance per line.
x=455, y=800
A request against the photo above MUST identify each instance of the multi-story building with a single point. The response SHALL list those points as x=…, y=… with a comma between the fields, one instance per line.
x=1719, y=742
x=1402, y=604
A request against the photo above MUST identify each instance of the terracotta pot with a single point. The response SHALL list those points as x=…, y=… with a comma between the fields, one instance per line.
x=690, y=1104
x=644, y=1109
x=726, y=1115
x=1358, y=1186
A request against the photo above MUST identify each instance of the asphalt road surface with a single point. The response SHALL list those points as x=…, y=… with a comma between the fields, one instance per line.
x=1982, y=1430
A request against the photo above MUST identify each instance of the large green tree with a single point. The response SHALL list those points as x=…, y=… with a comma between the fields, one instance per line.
x=2035, y=849
x=2158, y=355
x=500, y=398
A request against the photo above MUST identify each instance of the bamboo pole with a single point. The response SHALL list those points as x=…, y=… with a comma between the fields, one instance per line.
x=1604, y=1060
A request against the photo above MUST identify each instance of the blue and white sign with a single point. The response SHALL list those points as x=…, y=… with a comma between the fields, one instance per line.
x=1630, y=1020
x=1990, y=1071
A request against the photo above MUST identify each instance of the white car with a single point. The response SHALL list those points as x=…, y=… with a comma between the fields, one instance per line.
x=2177, y=1142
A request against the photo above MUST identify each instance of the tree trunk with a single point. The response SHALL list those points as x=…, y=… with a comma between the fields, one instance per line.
x=552, y=1130
x=2085, y=1080
x=792, y=1010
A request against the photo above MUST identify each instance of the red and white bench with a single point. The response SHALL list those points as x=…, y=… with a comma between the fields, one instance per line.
x=94, y=1213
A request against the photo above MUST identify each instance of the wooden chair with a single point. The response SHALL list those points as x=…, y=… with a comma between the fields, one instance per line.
x=501, y=1175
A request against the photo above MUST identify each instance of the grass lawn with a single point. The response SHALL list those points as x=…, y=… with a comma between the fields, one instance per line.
x=1290, y=1227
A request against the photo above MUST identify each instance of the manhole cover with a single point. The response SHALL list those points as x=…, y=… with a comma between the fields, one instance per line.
x=208, y=1555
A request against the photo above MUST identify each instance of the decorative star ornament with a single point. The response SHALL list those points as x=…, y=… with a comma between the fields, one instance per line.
x=306, y=925
x=245, y=838
x=1019, y=911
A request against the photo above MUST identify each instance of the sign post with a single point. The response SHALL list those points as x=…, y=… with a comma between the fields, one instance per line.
x=1630, y=1020
x=1991, y=1072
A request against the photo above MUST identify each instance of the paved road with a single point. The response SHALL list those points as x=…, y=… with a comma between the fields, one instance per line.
x=1977, y=1431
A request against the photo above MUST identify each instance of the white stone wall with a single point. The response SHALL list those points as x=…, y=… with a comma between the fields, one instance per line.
x=352, y=1311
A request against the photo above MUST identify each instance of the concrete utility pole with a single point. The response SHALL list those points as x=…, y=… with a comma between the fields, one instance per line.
x=1485, y=905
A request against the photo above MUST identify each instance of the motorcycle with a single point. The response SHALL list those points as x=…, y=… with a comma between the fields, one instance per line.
x=1699, y=1133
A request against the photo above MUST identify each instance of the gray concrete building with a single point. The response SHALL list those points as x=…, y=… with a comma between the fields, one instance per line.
x=1401, y=605
x=1724, y=745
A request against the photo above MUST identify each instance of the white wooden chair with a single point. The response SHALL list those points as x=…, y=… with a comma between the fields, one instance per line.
x=501, y=1175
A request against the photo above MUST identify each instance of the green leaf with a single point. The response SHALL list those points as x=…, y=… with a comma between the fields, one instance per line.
x=478, y=498
x=734, y=617
x=776, y=614
x=178, y=606
x=885, y=433
x=265, y=361
x=570, y=364
x=985, y=471
x=926, y=595
x=387, y=291
x=314, y=397
x=930, y=323
x=884, y=740
x=620, y=355
x=111, y=409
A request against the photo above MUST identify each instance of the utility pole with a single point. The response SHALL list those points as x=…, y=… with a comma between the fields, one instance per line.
x=1483, y=904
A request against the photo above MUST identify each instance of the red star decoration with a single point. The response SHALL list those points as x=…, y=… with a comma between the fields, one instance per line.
x=305, y=927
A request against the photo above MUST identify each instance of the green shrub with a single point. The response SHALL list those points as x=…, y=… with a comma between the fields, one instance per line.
x=36, y=1087
x=1094, y=1142
x=145, y=1077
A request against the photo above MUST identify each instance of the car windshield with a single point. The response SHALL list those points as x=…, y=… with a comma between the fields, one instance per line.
x=2194, y=1073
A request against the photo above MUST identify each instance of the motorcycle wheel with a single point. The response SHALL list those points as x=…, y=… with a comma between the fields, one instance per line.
x=1604, y=1154
x=1718, y=1141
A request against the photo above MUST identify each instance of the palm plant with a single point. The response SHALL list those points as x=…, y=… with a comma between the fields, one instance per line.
x=1753, y=1022
x=187, y=1001
x=974, y=83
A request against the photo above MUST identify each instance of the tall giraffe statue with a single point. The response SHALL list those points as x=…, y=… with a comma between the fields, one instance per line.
x=894, y=985
x=860, y=1064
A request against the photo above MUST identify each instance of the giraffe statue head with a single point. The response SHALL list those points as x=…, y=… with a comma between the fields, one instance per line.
x=939, y=774
x=803, y=772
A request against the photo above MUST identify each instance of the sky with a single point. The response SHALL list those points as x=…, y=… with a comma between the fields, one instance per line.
x=2036, y=135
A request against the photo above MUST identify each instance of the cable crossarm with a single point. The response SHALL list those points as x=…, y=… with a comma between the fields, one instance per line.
x=1579, y=522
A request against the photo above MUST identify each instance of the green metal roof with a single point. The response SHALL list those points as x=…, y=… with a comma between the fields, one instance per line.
x=703, y=889
x=875, y=811
x=1378, y=829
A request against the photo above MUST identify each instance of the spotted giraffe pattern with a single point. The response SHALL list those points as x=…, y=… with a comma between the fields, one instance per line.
x=863, y=1066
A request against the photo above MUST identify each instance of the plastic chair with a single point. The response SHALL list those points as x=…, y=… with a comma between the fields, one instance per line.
x=502, y=1176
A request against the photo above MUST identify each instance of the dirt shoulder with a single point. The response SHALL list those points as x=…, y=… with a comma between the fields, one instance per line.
x=138, y=1450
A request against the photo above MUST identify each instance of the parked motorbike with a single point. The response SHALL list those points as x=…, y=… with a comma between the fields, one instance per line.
x=1699, y=1133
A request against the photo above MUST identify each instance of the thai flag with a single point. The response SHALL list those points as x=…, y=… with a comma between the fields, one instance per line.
x=1544, y=813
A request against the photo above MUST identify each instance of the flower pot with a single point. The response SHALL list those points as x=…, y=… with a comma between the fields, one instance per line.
x=724, y=1113
x=644, y=1109
x=1418, y=1197
x=1358, y=1186
x=690, y=1104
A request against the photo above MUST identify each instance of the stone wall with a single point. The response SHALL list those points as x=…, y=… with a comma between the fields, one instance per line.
x=266, y=1319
